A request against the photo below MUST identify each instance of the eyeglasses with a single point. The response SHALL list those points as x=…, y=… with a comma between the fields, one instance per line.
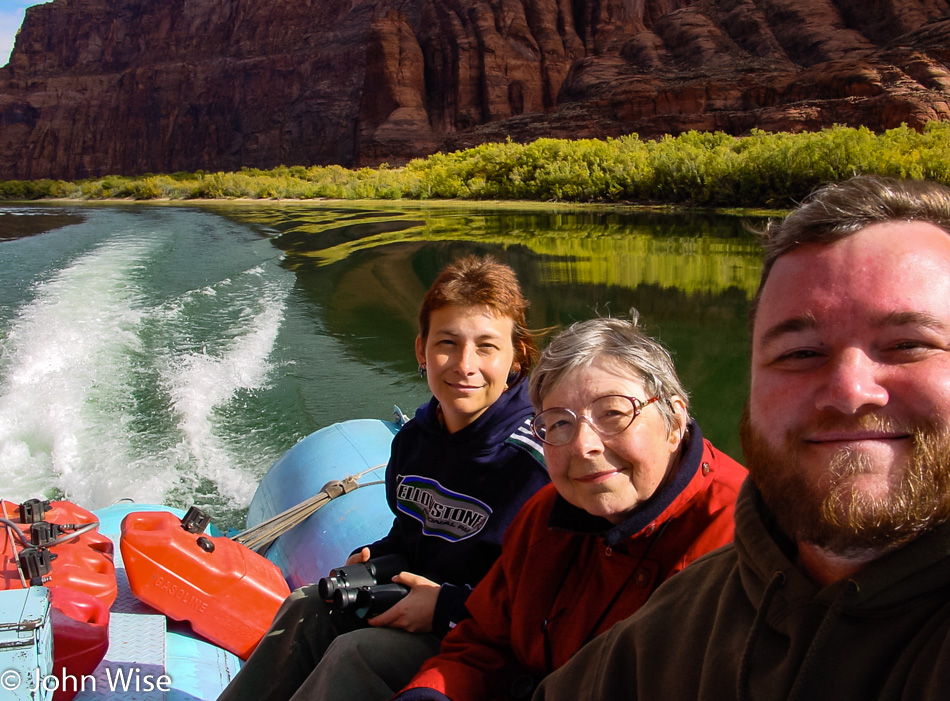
x=607, y=415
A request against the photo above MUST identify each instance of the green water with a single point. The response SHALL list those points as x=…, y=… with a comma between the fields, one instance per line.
x=171, y=353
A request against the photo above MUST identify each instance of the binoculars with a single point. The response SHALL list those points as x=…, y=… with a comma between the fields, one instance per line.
x=365, y=588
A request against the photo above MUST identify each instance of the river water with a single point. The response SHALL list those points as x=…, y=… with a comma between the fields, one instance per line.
x=170, y=353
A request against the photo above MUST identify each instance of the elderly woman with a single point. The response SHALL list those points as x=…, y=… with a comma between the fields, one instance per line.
x=637, y=494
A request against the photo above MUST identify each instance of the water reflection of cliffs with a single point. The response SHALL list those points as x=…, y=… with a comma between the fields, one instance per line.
x=690, y=253
x=364, y=272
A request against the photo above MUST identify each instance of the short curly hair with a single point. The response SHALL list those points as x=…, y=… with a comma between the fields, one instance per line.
x=483, y=281
x=585, y=341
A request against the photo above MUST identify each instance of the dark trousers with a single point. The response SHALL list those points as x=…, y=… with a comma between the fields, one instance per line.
x=303, y=629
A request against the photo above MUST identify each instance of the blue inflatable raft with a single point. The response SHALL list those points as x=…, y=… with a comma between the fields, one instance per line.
x=153, y=657
x=357, y=449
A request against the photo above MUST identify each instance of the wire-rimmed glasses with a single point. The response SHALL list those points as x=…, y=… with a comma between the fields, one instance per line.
x=608, y=415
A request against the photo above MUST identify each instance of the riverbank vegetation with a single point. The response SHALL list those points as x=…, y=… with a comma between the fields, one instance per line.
x=709, y=169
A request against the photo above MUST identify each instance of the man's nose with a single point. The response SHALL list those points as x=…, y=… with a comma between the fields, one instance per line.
x=852, y=381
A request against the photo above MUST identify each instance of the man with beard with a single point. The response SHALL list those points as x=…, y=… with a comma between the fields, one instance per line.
x=837, y=585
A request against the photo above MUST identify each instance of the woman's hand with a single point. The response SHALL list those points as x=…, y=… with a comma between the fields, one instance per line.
x=361, y=556
x=414, y=612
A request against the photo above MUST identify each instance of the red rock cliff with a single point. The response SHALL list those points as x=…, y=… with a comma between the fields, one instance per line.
x=133, y=86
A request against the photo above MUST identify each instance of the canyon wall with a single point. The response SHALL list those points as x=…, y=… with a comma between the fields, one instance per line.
x=96, y=87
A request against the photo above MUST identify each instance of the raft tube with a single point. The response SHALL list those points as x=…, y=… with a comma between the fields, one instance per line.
x=311, y=549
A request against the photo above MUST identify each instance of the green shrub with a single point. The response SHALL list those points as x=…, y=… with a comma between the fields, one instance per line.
x=694, y=168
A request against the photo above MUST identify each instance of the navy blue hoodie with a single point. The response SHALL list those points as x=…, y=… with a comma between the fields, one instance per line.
x=454, y=495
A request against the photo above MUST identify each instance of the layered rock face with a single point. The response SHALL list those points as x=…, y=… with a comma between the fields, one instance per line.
x=132, y=86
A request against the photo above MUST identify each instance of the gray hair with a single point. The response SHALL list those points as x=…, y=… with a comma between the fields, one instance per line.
x=585, y=341
x=839, y=210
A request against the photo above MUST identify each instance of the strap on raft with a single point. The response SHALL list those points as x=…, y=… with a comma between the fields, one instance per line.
x=260, y=537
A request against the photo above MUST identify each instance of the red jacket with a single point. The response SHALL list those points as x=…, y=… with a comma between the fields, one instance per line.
x=565, y=576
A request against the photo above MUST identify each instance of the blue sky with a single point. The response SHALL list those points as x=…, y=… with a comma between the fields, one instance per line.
x=11, y=17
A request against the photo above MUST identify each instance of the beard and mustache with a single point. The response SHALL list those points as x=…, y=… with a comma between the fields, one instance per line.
x=829, y=511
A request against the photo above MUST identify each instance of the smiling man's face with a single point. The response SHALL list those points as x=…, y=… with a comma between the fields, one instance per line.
x=846, y=427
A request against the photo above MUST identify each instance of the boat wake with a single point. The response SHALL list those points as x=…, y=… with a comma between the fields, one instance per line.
x=112, y=386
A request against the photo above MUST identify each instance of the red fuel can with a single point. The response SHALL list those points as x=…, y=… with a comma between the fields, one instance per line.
x=80, y=637
x=226, y=591
x=79, y=573
x=79, y=556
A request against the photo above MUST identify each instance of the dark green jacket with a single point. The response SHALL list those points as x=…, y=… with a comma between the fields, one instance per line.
x=745, y=623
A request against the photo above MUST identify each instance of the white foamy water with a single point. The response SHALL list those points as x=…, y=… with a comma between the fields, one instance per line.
x=199, y=384
x=67, y=373
x=114, y=387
